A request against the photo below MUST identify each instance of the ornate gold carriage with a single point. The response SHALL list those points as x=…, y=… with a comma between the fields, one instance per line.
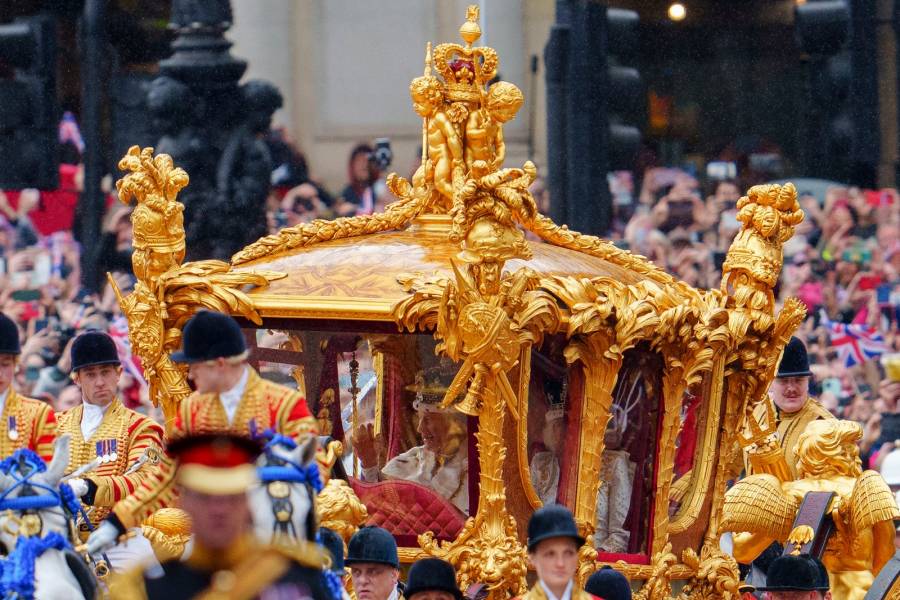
x=461, y=290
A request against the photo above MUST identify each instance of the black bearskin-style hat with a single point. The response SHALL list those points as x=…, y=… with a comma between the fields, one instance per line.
x=209, y=335
x=431, y=575
x=796, y=574
x=794, y=361
x=609, y=584
x=9, y=336
x=93, y=348
x=550, y=522
x=372, y=545
x=335, y=546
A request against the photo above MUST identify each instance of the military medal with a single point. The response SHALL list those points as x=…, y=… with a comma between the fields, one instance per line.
x=106, y=451
x=11, y=429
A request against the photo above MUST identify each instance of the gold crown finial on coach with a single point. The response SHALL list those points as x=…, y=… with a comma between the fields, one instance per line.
x=470, y=31
x=466, y=70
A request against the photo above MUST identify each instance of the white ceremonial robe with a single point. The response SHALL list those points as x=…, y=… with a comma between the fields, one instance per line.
x=545, y=476
x=450, y=480
x=613, y=501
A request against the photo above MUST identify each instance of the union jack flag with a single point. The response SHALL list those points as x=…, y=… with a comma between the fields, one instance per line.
x=118, y=331
x=855, y=344
x=70, y=132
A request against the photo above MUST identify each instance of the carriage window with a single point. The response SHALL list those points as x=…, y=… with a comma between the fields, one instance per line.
x=548, y=398
x=624, y=499
x=380, y=395
x=686, y=446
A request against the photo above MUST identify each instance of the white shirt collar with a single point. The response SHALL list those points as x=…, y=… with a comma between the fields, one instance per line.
x=395, y=594
x=91, y=417
x=567, y=593
x=3, y=397
x=231, y=398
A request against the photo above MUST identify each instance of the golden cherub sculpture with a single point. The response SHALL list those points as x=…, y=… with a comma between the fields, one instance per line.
x=760, y=509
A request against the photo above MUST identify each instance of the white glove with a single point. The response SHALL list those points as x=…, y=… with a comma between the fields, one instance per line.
x=79, y=486
x=105, y=536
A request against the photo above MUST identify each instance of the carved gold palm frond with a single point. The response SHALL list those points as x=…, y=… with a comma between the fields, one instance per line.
x=757, y=504
x=591, y=307
x=210, y=284
x=539, y=315
x=871, y=502
x=396, y=216
x=430, y=301
x=562, y=236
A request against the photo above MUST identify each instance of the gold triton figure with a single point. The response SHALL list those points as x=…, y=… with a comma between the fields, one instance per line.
x=761, y=509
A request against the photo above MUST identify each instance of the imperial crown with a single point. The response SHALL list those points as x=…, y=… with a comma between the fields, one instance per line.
x=465, y=69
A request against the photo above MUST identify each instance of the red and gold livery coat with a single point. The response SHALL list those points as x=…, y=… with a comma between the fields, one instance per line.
x=121, y=441
x=264, y=405
x=27, y=423
x=537, y=593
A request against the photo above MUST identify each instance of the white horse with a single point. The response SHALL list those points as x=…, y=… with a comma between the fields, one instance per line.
x=283, y=504
x=34, y=529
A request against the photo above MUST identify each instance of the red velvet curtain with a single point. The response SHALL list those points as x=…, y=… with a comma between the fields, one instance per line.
x=337, y=344
x=395, y=410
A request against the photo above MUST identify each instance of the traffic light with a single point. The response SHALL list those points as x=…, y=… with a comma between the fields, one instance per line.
x=29, y=112
x=626, y=100
x=596, y=108
x=821, y=30
x=822, y=27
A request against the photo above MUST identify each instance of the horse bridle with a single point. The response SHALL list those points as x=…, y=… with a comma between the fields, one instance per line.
x=277, y=479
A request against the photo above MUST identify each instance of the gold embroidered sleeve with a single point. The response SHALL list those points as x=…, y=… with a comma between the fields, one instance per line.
x=294, y=418
x=43, y=432
x=154, y=490
x=157, y=488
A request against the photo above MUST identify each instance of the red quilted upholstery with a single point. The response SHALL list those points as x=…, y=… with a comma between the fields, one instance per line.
x=406, y=508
